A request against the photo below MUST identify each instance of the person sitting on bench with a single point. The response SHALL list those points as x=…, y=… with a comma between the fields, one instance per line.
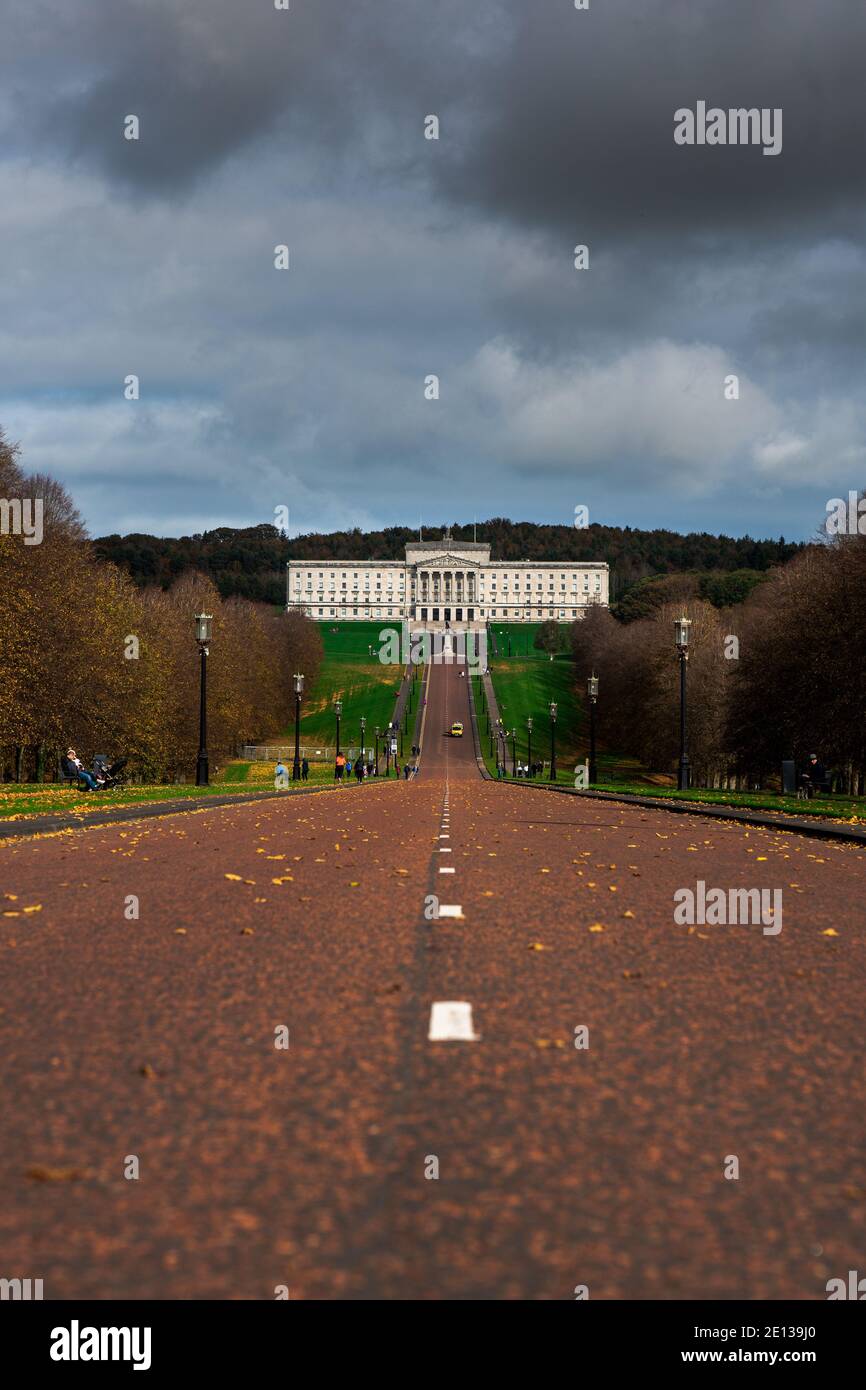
x=72, y=766
x=814, y=776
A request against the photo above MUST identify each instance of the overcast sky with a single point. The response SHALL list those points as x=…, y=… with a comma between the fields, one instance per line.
x=409, y=257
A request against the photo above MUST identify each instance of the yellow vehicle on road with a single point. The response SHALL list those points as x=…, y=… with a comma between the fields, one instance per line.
x=457, y=729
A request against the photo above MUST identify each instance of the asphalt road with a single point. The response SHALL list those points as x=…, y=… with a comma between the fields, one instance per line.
x=312, y=1166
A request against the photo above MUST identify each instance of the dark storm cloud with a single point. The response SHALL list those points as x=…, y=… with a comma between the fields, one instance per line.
x=572, y=129
x=556, y=118
x=208, y=78
x=204, y=79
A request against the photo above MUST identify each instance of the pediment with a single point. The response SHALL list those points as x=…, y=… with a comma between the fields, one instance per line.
x=447, y=561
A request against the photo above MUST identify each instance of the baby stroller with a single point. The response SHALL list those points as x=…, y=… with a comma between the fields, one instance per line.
x=109, y=776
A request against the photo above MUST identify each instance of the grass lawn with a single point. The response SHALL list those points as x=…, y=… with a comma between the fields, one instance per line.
x=525, y=686
x=838, y=807
x=45, y=799
x=19, y=800
x=522, y=637
x=365, y=685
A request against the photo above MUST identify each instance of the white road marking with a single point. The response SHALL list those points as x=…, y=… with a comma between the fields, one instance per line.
x=444, y=849
x=447, y=871
x=451, y=910
x=451, y=1021
x=445, y=837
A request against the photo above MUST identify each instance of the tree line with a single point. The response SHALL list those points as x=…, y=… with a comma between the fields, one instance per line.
x=779, y=676
x=251, y=562
x=93, y=660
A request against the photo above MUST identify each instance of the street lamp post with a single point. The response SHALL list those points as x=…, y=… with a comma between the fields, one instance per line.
x=681, y=630
x=529, y=746
x=552, y=777
x=376, y=755
x=338, y=710
x=202, y=636
x=592, y=692
x=514, y=752
x=299, y=690
x=363, y=727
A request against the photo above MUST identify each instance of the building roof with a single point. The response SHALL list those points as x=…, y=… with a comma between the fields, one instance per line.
x=443, y=542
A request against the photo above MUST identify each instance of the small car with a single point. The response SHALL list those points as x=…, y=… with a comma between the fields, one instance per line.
x=457, y=729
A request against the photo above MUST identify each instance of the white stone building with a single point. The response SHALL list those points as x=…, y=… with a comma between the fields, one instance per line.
x=445, y=582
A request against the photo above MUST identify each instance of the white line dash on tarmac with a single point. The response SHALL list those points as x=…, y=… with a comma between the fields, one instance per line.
x=451, y=910
x=447, y=871
x=451, y=1021
x=444, y=849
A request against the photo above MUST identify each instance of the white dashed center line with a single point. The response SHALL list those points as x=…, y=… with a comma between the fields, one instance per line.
x=451, y=1021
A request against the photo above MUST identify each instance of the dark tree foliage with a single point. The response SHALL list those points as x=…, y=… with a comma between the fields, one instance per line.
x=721, y=588
x=551, y=637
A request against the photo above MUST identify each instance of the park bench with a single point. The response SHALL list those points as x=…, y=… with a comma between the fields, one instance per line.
x=792, y=786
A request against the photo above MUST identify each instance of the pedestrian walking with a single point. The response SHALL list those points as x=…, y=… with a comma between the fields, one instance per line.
x=305, y=771
x=359, y=770
x=340, y=766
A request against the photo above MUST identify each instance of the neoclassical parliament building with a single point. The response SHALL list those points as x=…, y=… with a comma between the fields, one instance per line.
x=445, y=582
